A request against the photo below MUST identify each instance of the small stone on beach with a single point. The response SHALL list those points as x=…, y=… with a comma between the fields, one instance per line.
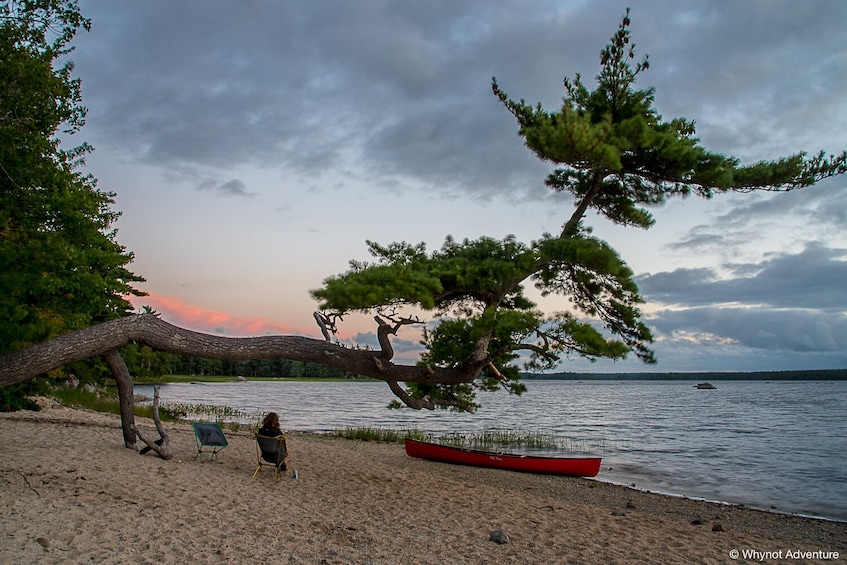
x=499, y=537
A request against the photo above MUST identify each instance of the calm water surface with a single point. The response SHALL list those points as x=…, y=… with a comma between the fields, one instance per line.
x=778, y=445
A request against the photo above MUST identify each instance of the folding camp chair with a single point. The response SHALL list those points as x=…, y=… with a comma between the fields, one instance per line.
x=270, y=450
x=210, y=439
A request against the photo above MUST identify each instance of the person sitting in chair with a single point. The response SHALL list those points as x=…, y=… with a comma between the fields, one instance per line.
x=270, y=427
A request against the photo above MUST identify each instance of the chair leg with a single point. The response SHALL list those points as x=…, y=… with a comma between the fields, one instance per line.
x=277, y=472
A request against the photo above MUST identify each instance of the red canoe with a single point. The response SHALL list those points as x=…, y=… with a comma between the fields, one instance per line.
x=573, y=466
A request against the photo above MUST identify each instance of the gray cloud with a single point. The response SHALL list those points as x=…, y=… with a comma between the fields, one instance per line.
x=746, y=74
x=366, y=339
x=801, y=210
x=234, y=187
x=788, y=303
x=758, y=328
x=699, y=237
x=403, y=89
x=813, y=279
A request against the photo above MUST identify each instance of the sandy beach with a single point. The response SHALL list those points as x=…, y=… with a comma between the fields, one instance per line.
x=72, y=493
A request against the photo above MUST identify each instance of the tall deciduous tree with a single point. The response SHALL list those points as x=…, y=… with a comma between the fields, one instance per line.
x=61, y=267
x=614, y=154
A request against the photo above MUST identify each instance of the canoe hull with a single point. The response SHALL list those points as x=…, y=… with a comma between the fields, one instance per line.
x=570, y=466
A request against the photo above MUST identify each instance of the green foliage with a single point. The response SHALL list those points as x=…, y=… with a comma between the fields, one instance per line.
x=476, y=288
x=397, y=277
x=616, y=153
x=60, y=266
x=600, y=285
x=16, y=397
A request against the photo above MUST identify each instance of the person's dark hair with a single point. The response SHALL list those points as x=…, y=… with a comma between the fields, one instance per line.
x=271, y=420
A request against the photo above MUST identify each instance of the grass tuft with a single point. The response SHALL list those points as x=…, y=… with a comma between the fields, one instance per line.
x=382, y=435
x=106, y=400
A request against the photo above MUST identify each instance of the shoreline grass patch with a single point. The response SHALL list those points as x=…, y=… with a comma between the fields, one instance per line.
x=383, y=435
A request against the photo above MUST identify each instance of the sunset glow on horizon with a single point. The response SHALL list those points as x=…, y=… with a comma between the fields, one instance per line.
x=175, y=310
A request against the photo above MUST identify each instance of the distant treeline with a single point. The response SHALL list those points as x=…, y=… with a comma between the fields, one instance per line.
x=818, y=375
x=144, y=362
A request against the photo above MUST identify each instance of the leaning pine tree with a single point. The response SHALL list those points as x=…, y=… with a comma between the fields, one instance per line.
x=614, y=154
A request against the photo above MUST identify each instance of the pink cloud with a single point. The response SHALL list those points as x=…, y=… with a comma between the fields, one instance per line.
x=174, y=310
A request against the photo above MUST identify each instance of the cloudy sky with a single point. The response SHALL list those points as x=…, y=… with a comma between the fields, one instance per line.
x=254, y=146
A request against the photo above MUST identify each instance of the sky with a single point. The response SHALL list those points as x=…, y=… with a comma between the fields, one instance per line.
x=253, y=148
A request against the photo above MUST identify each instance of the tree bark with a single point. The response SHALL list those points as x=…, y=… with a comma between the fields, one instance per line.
x=160, y=446
x=570, y=227
x=148, y=329
x=123, y=380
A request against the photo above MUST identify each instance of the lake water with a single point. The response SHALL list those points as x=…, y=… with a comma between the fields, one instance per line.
x=778, y=445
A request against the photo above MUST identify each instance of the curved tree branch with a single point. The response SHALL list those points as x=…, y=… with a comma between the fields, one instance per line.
x=385, y=329
x=148, y=329
x=426, y=403
x=382, y=332
x=160, y=446
x=416, y=403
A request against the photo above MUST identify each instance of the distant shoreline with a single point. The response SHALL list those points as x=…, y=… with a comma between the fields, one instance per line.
x=815, y=375
x=808, y=375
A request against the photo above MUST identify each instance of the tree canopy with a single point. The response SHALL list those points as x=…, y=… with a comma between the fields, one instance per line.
x=61, y=267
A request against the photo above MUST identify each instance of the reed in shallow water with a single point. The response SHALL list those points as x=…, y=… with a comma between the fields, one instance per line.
x=385, y=435
x=485, y=439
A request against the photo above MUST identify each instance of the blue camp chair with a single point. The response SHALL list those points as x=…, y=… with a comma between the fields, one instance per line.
x=210, y=439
